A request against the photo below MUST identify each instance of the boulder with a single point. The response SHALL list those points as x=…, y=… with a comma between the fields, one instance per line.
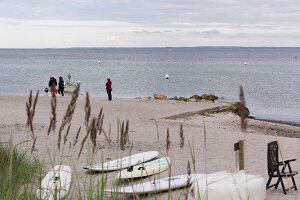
x=204, y=97
x=208, y=97
x=183, y=99
x=160, y=96
x=197, y=97
x=238, y=109
x=174, y=98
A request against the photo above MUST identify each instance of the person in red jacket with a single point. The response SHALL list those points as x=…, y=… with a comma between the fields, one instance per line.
x=109, y=89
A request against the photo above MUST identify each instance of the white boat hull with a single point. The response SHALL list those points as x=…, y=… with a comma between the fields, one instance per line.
x=123, y=162
x=56, y=183
x=238, y=186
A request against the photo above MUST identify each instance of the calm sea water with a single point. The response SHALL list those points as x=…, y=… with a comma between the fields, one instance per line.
x=271, y=78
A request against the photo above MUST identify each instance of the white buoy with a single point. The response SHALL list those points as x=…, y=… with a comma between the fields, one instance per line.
x=245, y=63
x=167, y=76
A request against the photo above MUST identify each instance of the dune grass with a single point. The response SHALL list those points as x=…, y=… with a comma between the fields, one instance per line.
x=17, y=173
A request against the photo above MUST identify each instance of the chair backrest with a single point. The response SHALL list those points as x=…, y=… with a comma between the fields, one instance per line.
x=272, y=157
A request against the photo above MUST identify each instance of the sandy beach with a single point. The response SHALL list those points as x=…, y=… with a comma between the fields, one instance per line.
x=222, y=129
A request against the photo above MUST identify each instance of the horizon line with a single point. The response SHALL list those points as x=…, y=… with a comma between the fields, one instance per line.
x=24, y=48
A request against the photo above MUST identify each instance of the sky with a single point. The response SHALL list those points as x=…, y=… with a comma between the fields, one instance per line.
x=148, y=23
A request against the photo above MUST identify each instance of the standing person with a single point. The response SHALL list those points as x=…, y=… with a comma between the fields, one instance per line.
x=52, y=85
x=109, y=89
x=61, y=86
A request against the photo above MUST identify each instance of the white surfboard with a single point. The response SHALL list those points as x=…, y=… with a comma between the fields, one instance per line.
x=238, y=186
x=160, y=185
x=56, y=183
x=145, y=169
x=124, y=162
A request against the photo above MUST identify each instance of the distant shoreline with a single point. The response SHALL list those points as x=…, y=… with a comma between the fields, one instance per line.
x=278, y=121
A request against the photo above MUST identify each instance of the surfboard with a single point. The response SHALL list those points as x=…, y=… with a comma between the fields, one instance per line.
x=56, y=183
x=160, y=185
x=238, y=186
x=123, y=162
x=145, y=169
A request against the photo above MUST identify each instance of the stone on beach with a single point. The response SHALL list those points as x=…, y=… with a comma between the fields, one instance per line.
x=160, y=96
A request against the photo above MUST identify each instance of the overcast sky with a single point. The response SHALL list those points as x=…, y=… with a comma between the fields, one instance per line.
x=148, y=23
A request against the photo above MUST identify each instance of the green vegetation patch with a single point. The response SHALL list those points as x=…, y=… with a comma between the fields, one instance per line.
x=18, y=170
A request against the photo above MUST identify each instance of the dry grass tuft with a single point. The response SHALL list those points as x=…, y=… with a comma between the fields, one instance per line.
x=181, y=136
x=30, y=111
x=242, y=110
x=189, y=183
x=68, y=114
x=67, y=133
x=82, y=143
x=205, y=148
x=168, y=142
x=192, y=150
x=99, y=122
x=93, y=133
x=87, y=110
x=53, y=113
x=33, y=144
x=157, y=134
x=124, y=138
x=77, y=135
x=89, y=125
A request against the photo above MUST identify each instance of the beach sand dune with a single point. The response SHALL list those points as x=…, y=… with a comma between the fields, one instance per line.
x=148, y=123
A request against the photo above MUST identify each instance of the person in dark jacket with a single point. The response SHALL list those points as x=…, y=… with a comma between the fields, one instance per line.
x=61, y=86
x=109, y=89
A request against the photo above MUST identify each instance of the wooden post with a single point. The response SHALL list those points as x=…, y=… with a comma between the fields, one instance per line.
x=239, y=146
x=241, y=154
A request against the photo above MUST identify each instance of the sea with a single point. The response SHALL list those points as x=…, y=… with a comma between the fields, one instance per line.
x=270, y=76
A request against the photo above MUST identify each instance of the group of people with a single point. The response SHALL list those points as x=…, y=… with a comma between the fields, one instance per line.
x=53, y=86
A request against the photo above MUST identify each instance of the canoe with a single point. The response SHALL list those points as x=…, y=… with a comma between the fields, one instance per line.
x=160, y=185
x=123, y=162
x=145, y=169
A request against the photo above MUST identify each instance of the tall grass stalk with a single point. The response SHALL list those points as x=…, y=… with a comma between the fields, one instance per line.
x=189, y=184
x=77, y=136
x=168, y=142
x=205, y=160
x=124, y=137
x=193, y=155
x=52, y=124
x=242, y=110
x=68, y=114
x=181, y=136
x=30, y=110
x=157, y=134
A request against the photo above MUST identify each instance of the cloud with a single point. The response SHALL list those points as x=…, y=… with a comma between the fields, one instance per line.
x=147, y=32
x=156, y=22
x=111, y=39
x=207, y=32
x=153, y=12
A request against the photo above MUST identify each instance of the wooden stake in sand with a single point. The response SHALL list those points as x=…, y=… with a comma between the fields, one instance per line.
x=239, y=146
